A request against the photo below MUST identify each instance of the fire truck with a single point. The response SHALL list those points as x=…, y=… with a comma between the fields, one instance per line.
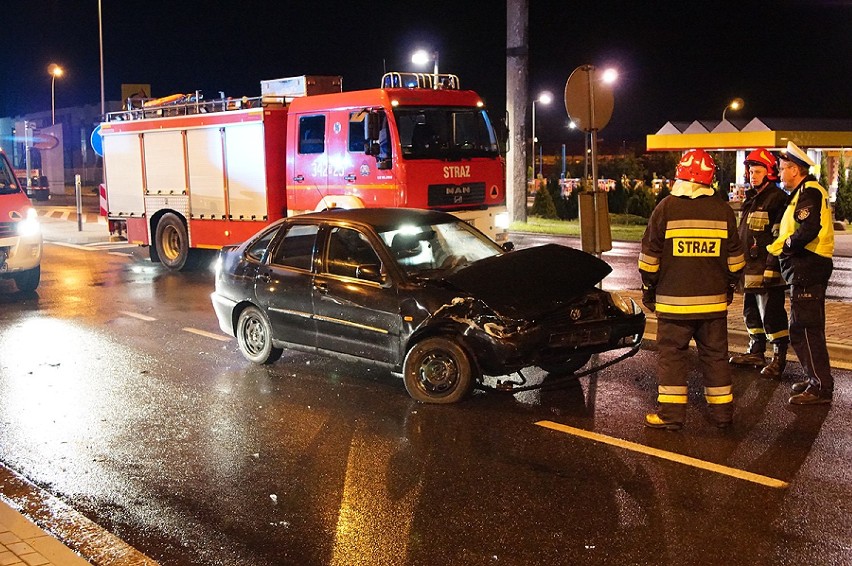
x=184, y=173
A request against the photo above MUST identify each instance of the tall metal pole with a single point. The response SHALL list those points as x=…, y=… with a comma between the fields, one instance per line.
x=53, y=99
x=517, y=99
x=532, y=146
x=590, y=74
x=101, y=44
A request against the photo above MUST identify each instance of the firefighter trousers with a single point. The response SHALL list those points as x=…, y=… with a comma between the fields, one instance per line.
x=764, y=315
x=711, y=337
x=807, y=335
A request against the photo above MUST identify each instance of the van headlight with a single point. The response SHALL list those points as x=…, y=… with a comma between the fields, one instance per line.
x=29, y=226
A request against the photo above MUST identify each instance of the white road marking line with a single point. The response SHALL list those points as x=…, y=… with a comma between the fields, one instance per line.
x=671, y=456
x=122, y=254
x=220, y=337
x=67, y=245
x=137, y=315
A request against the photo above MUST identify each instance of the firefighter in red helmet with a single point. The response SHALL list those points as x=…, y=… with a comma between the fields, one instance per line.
x=690, y=262
x=763, y=288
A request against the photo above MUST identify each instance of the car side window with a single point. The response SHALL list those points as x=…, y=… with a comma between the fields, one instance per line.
x=296, y=247
x=257, y=251
x=347, y=251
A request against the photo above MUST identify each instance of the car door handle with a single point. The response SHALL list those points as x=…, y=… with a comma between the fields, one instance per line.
x=321, y=288
x=299, y=178
x=264, y=277
x=350, y=177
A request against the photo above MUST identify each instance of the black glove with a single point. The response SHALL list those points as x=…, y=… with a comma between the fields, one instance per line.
x=649, y=299
x=731, y=294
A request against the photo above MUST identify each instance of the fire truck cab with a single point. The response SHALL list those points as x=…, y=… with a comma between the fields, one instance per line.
x=189, y=173
x=20, y=233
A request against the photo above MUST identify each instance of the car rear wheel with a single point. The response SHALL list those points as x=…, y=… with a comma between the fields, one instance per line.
x=567, y=366
x=254, y=336
x=438, y=370
x=27, y=281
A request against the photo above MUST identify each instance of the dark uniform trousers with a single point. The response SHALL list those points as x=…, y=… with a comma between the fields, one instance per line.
x=711, y=337
x=807, y=334
x=765, y=316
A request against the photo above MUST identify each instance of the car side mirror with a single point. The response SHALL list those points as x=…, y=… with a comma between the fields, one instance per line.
x=508, y=246
x=370, y=272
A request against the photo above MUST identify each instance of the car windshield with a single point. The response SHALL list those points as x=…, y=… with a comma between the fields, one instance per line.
x=431, y=250
x=445, y=133
x=8, y=183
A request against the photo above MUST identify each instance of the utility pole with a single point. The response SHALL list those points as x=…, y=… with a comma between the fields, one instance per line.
x=517, y=100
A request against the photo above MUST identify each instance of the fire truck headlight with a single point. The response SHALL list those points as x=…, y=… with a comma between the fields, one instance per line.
x=29, y=226
x=502, y=220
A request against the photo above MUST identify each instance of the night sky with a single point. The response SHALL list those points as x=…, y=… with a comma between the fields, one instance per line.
x=677, y=60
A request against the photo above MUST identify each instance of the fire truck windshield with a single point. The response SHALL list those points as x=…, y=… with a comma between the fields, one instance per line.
x=8, y=183
x=445, y=133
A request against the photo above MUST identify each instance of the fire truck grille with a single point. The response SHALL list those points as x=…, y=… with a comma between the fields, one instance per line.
x=7, y=229
x=456, y=195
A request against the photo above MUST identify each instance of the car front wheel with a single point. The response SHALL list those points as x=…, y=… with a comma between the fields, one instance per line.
x=438, y=370
x=254, y=335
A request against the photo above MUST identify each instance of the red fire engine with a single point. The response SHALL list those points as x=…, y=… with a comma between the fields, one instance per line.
x=184, y=173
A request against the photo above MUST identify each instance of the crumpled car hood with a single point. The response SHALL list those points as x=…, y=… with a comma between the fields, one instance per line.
x=526, y=283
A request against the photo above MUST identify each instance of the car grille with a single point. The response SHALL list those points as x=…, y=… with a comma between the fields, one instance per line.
x=8, y=229
x=569, y=326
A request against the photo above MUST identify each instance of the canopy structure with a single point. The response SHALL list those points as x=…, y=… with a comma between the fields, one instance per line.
x=819, y=137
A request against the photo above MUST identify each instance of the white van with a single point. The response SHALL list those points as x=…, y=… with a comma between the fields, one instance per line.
x=20, y=233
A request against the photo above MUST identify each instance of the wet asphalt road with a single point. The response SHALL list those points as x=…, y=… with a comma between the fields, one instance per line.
x=111, y=400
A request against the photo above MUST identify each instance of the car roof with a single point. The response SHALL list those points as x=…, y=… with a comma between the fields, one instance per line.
x=381, y=217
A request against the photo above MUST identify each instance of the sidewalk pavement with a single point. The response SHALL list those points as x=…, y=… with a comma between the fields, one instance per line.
x=22, y=543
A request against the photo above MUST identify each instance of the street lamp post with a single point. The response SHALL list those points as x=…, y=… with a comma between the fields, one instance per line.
x=544, y=98
x=55, y=71
x=735, y=104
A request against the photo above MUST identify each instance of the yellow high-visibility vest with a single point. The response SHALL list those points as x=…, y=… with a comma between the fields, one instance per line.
x=823, y=244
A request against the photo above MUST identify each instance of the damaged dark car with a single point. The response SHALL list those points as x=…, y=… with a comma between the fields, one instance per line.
x=422, y=293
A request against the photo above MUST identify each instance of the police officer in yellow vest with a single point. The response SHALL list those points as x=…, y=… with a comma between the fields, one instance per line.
x=690, y=262
x=804, y=248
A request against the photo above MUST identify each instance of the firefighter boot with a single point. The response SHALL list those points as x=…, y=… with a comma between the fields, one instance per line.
x=753, y=356
x=775, y=369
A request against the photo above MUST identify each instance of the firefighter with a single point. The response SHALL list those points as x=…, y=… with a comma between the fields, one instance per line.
x=804, y=247
x=690, y=262
x=763, y=289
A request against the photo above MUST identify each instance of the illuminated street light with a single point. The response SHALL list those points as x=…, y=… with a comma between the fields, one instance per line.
x=422, y=57
x=55, y=71
x=735, y=104
x=609, y=76
x=545, y=98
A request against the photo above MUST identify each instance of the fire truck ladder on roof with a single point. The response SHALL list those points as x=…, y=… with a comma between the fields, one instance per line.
x=420, y=80
x=179, y=105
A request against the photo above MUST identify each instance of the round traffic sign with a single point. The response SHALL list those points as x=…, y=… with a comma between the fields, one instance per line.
x=588, y=99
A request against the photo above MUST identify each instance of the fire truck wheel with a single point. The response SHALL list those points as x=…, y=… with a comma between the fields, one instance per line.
x=27, y=281
x=254, y=335
x=172, y=242
x=438, y=370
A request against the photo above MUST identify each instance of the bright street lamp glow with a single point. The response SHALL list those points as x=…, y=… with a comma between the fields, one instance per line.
x=572, y=125
x=545, y=98
x=735, y=104
x=420, y=57
x=55, y=70
x=610, y=76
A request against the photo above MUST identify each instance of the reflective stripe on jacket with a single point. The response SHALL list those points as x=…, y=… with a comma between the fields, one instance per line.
x=691, y=255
